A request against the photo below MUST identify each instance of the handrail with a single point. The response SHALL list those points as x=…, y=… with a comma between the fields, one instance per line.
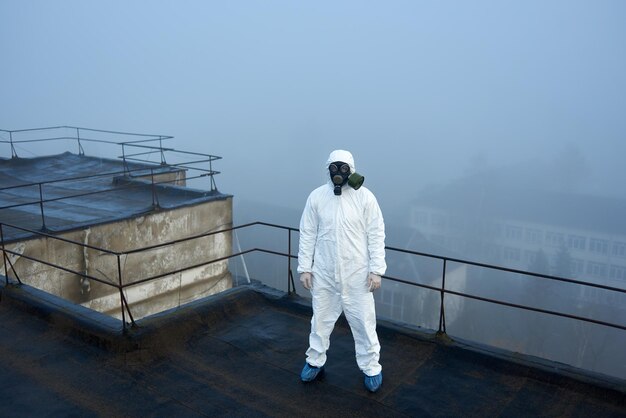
x=149, y=168
x=150, y=138
x=90, y=176
x=56, y=199
x=508, y=270
x=153, y=184
x=443, y=291
x=85, y=129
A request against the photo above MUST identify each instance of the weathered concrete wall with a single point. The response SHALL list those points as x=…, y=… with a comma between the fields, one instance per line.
x=129, y=234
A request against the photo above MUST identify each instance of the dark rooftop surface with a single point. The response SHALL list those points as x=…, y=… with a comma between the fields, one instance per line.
x=99, y=199
x=240, y=353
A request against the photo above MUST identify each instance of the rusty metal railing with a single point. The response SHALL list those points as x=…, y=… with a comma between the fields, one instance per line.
x=120, y=286
x=141, y=167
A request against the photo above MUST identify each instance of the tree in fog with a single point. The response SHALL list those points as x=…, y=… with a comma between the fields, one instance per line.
x=544, y=292
x=540, y=263
x=540, y=294
x=563, y=268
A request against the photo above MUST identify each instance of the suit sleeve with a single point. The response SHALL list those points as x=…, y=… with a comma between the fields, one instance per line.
x=375, y=226
x=308, y=237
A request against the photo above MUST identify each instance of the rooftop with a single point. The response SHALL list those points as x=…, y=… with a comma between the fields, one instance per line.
x=123, y=175
x=239, y=353
x=80, y=190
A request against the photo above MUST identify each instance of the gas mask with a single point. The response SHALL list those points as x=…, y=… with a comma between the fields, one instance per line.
x=340, y=175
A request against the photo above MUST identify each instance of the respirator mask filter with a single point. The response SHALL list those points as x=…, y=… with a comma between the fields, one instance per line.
x=340, y=175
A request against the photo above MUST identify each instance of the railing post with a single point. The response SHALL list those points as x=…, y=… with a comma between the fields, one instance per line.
x=13, y=153
x=155, y=198
x=163, y=162
x=81, y=151
x=4, y=256
x=126, y=170
x=289, y=276
x=213, y=187
x=442, y=314
x=121, y=288
x=43, y=217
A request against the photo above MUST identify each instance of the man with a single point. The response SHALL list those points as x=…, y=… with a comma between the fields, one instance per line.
x=341, y=259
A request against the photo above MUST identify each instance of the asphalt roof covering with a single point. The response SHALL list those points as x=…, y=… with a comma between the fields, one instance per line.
x=105, y=198
x=239, y=353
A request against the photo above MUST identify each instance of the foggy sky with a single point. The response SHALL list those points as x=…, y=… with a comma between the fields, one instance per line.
x=422, y=92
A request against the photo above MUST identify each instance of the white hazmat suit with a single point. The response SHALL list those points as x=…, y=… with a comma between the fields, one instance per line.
x=342, y=241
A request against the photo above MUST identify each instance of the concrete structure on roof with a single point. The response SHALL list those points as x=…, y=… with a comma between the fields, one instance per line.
x=92, y=208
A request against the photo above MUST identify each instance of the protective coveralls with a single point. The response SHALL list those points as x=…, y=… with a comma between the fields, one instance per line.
x=342, y=240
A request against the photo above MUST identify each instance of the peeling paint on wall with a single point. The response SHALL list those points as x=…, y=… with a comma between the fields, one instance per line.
x=16, y=248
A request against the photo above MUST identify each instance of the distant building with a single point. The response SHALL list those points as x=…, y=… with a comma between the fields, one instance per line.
x=560, y=234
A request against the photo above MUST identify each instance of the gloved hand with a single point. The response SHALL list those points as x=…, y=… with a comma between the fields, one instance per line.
x=374, y=281
x=307, y=280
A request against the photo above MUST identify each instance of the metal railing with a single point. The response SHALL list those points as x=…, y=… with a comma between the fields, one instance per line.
x=24, y=132
x=120, y=285
x=443, y=291
x=132, y=164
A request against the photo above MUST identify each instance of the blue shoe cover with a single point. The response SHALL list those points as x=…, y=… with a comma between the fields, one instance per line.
x=373, y=383
x=310, y=373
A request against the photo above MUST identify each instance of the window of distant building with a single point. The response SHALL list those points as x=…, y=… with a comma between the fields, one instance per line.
x=617, y=272
x=456, y=222
x=554, y=238
x=619, y=249
x=512, y=254
x=420, y=217
x=530, y=256
x=600, y=246
x=438, y=220
x=578, y=267
x=533, y=236
x=596, y=269
x=438, y=239
x=513, y=232
x=576, y=242
x=491, y=250
x=488, y=228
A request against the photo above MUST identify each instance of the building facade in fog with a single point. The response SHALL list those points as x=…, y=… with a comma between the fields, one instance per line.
x=566, y=235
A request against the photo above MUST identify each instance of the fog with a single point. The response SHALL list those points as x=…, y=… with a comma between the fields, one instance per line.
x=470, y=100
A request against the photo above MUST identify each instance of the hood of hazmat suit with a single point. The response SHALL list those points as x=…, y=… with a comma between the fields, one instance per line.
x=342, y=240
x=342, y=171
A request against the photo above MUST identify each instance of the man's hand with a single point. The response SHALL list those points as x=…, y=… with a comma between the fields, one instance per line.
x=307, y=280
x=374, y=281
